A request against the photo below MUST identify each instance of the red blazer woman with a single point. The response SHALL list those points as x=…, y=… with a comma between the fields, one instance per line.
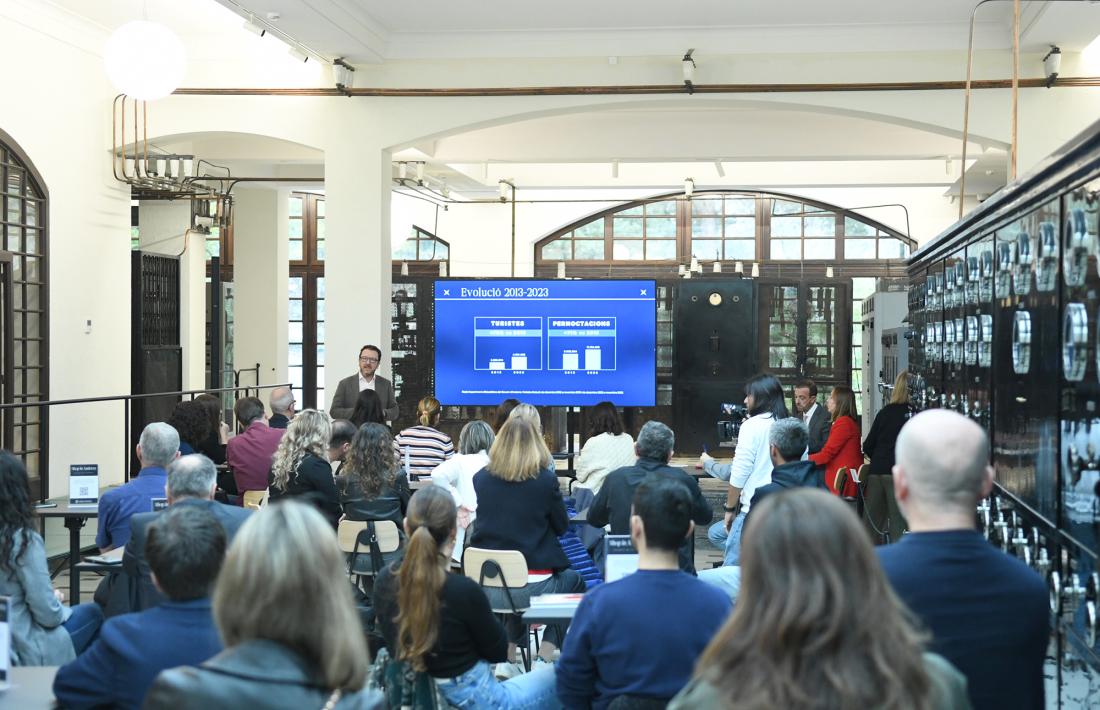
x=841, y=450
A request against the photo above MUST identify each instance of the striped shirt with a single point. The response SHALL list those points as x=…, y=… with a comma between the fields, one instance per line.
x=424, y=448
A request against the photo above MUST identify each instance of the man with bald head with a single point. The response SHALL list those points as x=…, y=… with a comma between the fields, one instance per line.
x=282, y=408
x=987, y=612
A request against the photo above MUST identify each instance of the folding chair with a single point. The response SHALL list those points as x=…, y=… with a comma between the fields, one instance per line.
x=503, y=569
x=378, y=537
x=254, y=500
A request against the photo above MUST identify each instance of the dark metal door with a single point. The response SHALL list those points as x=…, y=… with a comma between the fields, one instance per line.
x=156, y=354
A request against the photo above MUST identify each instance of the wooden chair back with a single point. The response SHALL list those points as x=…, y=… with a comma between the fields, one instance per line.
x=254, y=500
x=348, y=532
x=512, y=566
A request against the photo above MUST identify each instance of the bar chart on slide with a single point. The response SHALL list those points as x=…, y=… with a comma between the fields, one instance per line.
x=508, y=344
x=581, y=344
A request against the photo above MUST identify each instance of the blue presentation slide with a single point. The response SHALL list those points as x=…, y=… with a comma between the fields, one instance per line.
x=558, y=343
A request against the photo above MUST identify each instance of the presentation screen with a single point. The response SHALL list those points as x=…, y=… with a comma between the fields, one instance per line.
x=559, y=343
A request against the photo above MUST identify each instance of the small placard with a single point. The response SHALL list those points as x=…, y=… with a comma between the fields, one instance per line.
x=622, y=558
x=159, y=504
x=84, y=484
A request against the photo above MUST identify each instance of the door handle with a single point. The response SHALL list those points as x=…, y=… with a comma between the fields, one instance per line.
x=715, y=341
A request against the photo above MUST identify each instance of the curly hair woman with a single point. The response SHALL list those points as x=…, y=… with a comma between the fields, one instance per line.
x=191, y=420
x=300, y=468
x=44, y=632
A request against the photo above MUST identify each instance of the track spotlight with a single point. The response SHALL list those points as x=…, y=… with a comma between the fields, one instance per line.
x=343, y=74
x=689, y=187
x=719, y=169
x=687, y=65
x=251, y=26
x=420, y=172
x=1052, y=63
x=402, y=171
x=299, y=54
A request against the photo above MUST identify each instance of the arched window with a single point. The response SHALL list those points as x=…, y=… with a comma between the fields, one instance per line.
x=725, y=227
x=23, y=222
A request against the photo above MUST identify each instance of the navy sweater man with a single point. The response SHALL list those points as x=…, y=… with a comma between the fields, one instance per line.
x=185, y=548
x=987, y=612
x=640, y=636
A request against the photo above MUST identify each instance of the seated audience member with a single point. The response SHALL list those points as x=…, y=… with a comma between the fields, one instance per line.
x=192, y=481
x=527, y=412
x=841, y=449
x=502, y=412
x=213, y=447
x=158, y=446
x=816, y=624
x=282, y=404
x=288, y=622
x=299, y=467
x=338, y=444
x=423, y=446
x=249, y=453
x=442, y=623
x=520, y=508
x=185, y=549
x=374, y=486
x=368, y=409
x=615, y=647
x=613, y=504
x=44, y=632
x=787, y=443
x=751, y=466
x=608, y=448
x=881, y=510
x=988, y=612
x=192, y=423
x=457, y=473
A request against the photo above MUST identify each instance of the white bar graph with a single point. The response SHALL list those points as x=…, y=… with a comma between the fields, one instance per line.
x=519, y=361
x=496, y=364
x=570, y=360
x=592, y=357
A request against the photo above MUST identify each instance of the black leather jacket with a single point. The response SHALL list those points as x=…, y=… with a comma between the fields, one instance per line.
x=390, y=503
x=258, y=675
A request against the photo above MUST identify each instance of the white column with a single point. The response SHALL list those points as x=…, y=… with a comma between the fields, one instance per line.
x=260, y=270
x=357, y=264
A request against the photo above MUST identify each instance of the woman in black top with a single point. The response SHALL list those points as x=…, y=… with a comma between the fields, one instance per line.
x=191, y=422
x=368, y=409
x=372, y=484
x=519, y=507
x=442, y=624
x=213, y=446
x=300, y=468
x=881, y=509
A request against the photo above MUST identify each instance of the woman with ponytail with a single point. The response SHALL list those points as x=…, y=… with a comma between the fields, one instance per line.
x=441, y=623
x=423, y=447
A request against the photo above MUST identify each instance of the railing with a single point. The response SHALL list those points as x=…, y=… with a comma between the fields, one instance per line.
x=126, y=399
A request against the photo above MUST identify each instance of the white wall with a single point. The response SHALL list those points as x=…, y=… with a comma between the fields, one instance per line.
x=65, y=132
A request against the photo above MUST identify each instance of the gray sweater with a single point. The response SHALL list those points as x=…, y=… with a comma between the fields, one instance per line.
x=34, y=613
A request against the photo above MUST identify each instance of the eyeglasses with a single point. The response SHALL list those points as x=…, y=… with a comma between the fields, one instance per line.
x=368, y=359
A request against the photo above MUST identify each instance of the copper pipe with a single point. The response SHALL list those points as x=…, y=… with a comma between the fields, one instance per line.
x=617, y=90
x=145, y=133
x=1015, y=88
x=114, y=138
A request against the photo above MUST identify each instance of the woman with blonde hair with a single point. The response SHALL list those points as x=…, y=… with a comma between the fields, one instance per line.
x=520, y=508
x=288, y=621
x=300, y=467
x=800, y=636
x=423, y=447
x=442, y=623
x=881, y=510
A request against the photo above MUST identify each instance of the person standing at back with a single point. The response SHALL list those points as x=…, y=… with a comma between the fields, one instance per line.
x=881, y=505
x=423, y=446
x=752, y=464
x=343, y=402
x=816, y=419
x=988, y=612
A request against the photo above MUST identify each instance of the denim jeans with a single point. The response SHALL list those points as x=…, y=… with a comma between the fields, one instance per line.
x=728, y=579
x=731, y=542
x=477, y=688
x=83, y=625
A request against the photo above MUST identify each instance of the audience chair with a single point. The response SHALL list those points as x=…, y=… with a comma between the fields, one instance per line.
x=377, y=537
x=841, y=480
x=637, y=702
x=254, y=500
x=503, y=569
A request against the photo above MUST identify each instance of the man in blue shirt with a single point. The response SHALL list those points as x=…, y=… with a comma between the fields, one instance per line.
x=185, y=549
x=159, y=446
x=988, y=612
x=640, y=636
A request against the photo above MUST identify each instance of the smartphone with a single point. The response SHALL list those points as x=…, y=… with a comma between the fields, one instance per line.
x=5, y=644
x=46, y=504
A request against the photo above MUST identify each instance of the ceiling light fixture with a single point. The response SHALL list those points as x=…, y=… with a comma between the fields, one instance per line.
x=145, y=60
x=689, y=187
x=420, y=172
x=1052, y=63
x=718, y=167
x=251, y=26
x=298, y=54
x=755, y=270
x=402, y=171
x=343, y=74
x=687, y=66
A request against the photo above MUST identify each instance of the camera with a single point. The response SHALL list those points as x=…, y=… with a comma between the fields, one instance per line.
x=729, y=426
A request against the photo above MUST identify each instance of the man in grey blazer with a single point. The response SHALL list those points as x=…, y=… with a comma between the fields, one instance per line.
x=347, y=392
x=815, y=417
x=192, y=480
